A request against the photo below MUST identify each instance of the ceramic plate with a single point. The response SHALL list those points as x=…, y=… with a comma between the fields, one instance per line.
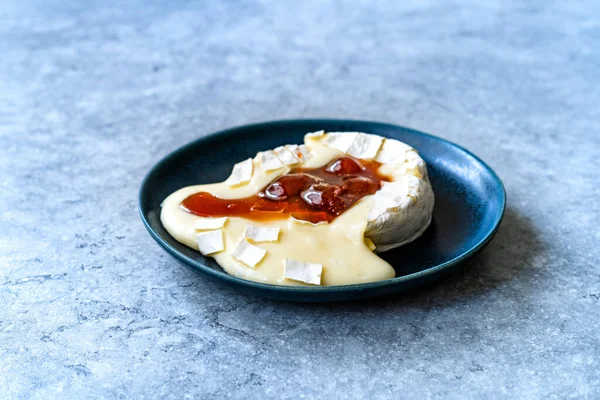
x=469, y=203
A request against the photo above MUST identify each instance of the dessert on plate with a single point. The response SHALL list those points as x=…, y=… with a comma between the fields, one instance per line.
x=310, y=214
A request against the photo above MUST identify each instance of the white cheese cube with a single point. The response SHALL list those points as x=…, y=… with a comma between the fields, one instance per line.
x=260, y=234
x=210, y=242
x=304, y=152
x=286, y=156
x=242, y=173
x=341, y=141
x=365, y=146
x=248, y=254
x=269, y=161
x=303, y=272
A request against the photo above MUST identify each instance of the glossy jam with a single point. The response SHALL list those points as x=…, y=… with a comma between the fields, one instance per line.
x=315, y=195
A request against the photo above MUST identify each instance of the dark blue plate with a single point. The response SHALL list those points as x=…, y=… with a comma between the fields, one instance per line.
x=469, y=203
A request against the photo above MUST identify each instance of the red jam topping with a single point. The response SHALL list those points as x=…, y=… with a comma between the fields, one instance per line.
x=314, y=195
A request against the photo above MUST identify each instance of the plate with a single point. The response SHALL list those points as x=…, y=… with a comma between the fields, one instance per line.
x=469, y=203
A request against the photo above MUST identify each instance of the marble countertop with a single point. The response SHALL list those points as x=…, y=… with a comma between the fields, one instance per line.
x=92, y=94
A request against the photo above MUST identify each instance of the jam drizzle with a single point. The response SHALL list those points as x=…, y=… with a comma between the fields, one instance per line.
x=310, y=194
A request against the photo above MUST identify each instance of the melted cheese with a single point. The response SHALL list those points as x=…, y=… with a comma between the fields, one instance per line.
x=340, y=246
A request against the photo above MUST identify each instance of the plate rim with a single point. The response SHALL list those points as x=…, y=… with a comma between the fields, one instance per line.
x=197, y=265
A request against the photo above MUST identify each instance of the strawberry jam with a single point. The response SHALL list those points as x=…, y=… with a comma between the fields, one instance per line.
x=314, y=195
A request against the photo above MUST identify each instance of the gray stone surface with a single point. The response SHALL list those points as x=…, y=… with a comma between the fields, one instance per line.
x=93, y=93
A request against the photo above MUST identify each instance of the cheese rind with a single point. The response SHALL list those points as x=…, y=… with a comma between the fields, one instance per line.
x=269, y=161
x=210, y=242
x=412, y=165
x=341, y=141
x=286, y=156
x=259, y=234
x=248, y=254
x=401, y=212
x=392, y=151
x=303, y=272
x=241, y=173
x=205, y=224
x=365, y=146
x=304, y=152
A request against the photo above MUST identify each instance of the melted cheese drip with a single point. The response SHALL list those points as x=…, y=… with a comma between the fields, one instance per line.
x=339, y=246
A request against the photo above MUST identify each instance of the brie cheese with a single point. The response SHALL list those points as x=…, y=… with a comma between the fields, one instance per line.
x=345, y=248
x=341, y=141
x=269, y=161
x=392, y=151
x=303, y=272
x=412, y=165
x=210, y=242
x=402, y=208
x=303, y=152
x=286, y=156
x=248, y=253
x=401, y=212
x=258, y=234
x=365, y=146
x=242, y=173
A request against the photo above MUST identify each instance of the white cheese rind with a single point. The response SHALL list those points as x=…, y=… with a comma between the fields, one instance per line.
x=303, y=272
x=241, y=173
x=210, y=242
x=304, y=152
x=205, y=224
x=412, y=165
x=248, y=254
x=259, y=234
x=392, y=151
x=341, y=141
x=401, y=212
x=365, y=146
x=269, y=161
x=286, y=156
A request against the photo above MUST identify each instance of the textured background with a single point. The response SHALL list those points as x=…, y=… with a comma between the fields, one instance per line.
x=92, y=94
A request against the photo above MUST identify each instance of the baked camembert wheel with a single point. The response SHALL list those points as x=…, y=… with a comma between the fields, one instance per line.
x=311, y=214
